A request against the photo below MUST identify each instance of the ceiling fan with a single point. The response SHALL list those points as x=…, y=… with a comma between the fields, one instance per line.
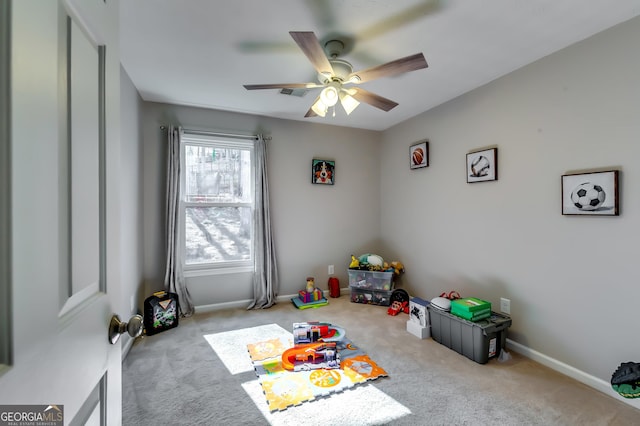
x=336, y=76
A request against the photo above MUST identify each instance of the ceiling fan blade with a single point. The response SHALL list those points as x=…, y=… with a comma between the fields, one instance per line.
x=372, y=99
x=317, y=109
x=310, y=113
x=310, y=45
x=282, y=86
x=401, y=19
x=399, y=66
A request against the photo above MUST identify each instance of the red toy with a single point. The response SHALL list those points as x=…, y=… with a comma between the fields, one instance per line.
x=397, y=307
x=334, y=287
x=311, y=356
x=452, y=295
x=399, y=302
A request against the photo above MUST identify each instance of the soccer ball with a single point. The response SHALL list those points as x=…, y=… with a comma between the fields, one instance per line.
x=587, y=196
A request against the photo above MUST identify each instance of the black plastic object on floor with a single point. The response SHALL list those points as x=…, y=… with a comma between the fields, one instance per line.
x=400, y=295
x=478, y=341
x=160, y=312
x=626, y=380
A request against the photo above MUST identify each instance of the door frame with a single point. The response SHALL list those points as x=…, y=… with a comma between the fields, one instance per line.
x=6, y=324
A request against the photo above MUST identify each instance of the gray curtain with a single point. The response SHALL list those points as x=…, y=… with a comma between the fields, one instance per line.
x=174, y=278
x=265, y=273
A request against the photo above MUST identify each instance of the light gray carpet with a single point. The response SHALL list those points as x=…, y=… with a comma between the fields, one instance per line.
x=176, y=378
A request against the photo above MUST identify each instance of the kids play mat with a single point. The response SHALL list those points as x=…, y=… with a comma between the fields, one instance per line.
x=283, y=388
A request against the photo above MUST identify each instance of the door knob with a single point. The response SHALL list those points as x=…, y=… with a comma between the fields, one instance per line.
x=117, y=327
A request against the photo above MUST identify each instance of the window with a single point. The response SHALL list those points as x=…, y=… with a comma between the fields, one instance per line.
x=218, y=202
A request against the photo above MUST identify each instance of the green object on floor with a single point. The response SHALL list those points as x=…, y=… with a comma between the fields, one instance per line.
x=628, y=390
x=316, y=304
x=626, y=380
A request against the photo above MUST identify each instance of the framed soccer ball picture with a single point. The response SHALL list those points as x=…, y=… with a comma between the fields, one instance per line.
x=594, y=193
x=419, y=155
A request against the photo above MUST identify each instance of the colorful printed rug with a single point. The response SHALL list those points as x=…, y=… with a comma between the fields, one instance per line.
x=350, y=407
x=284, y=388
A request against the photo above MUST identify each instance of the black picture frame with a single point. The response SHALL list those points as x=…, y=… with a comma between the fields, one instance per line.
x=590, y=193
x=482, y=166
x=419, y=155
x=323, y=172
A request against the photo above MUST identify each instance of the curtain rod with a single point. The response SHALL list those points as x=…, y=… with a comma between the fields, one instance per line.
x=228, y=135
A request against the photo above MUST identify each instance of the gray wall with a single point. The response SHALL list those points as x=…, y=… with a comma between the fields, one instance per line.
x=314, y=225
x=572, y=281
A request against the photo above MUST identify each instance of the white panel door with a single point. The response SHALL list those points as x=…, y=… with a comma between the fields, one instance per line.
x=63, y=204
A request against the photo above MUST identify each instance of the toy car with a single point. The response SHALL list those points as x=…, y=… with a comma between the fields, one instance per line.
x=397, y=307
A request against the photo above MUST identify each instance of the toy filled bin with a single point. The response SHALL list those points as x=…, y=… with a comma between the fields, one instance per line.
x=370, y=280
x=478, y=341
x=371, y=297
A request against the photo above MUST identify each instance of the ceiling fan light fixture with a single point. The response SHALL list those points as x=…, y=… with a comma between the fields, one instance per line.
x=319, y=108
x=329, y=96
x=348, y=102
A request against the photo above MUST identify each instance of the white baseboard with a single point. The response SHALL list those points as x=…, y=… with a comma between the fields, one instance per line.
x=236, y=304
x=589, y=380
x=244, y=303
x=127, y=347
x=225, y=305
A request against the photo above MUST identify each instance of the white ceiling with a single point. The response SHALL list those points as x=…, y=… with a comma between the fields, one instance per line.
x=201, y=52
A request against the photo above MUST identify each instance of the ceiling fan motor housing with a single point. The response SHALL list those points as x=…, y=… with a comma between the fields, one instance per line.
x=341, y=71
x=334, y=48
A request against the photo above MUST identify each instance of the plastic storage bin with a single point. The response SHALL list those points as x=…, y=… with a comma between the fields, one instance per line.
x=478, y=341
x=371, y=280
x=371, y=297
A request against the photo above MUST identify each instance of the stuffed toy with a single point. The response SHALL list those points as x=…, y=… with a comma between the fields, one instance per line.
x=397, y=266
x=367, y=262
x=626, y=380
x=371, y=260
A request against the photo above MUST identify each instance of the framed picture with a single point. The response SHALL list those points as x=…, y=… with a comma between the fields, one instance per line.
x=419, y=155
x=594, y=194
x=323, y=172
x=482, y=165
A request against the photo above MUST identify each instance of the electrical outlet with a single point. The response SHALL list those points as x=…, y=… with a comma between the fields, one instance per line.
x=331, y=270
x=505, y=305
